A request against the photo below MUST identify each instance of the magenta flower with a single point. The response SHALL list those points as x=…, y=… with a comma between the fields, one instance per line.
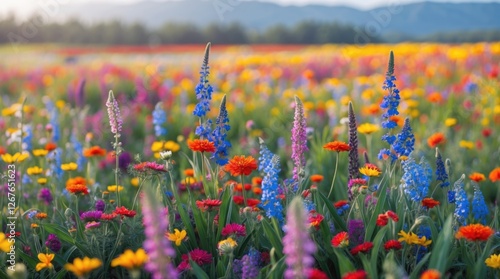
x=234, y=229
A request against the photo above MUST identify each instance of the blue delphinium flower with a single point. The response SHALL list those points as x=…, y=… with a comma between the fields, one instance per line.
x=270, y=187
x=462, y=203
x=415, y=181
x=55, y=160
x=28, y=137
x=159, y=118
x=405, y=140
x=451, y=196
x=265, y=156
x=78, y=148
x=53, y=119
x=341, y=210
x=441, y=174
x=479, y=207
x=26, y=179
x=203, y=90
x=219, y=135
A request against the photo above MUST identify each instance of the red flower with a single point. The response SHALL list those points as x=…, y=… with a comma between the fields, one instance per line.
x=391, y=214
x=495, y=175
x=363, y=248
x=241, y=165
x=208, y=204
x=317, y=274
x=340, y=203
x=124, y=212
x=359, y=274
x=150, y=167
x=315, y=219
x=252, y=202
x=382, y=220
x=392, y=244
x=340, y=240
x=475, y=232
x=429, y=202
x=200, y=257
x=476, y=176
x=486, y=132
x=108, y=217
x=436, y=139
x=238, y=200
x=50, y=146
x=337, y=146
x=317, y=178
x=234, y=229
x=430, y=274
x=201, y=145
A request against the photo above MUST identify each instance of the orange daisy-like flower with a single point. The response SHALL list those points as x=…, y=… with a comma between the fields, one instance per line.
x=201, y=145
x=495, y=175
x=317, y=178
x=475, y=232
x=50, y=146
x=337, y=146
x=241, y=165
x=429, y=202
x=208, y=204
x=94, y=151
x=340, y=240
x=436, y=139
x=435, y=97
x=189, y=172
x=77, y=185
x=431, y=274
x=476, y=176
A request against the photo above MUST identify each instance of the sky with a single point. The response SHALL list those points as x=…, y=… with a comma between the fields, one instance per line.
x=25, y=8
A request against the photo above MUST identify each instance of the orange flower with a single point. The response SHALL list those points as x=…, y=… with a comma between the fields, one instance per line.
x=317, y=178
x=337, y=146
x=431, y=274
x=241, y=165
x=201, y=145
x=436, y=139
x=476, y=176
x=475, y=232
x=77, y=185
x=372, y=109
x=495, y=175
x=41, y=215
x=94, y=151
x=189, y=172
x=256, y=180
x=50, y=146
x=398, y=119
x=429, y=202
x=435, y=97
x=257, y=190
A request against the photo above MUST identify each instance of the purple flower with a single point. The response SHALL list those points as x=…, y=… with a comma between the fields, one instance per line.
x=299, y=141
x=115, y=118
x=92, y=225
x=297, y=245
x=157, y=246
x=356, y=230
x=45, y=196
x=53, y=243
x=89, y=216
x=353, y=143
x=100, y=205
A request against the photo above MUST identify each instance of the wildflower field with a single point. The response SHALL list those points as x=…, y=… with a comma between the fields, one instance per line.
x=376, y=161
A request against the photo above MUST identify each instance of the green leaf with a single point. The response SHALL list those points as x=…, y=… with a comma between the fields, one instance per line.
x=65, y=237
x=378, y=209
x=441, y=249
x=339, y=223
x=198, y=271
x=372, y=274
x=344, y=263
x=273, y=237
x=416, y=272
x=377, y=243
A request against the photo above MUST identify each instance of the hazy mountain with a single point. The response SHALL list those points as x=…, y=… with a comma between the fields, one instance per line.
x=416, y=19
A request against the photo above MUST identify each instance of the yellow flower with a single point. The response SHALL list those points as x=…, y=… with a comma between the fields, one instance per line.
x=42, y=180
x=450, y=122
x=4, y=243
x=157, y=146
x=466, y=144
x=177, y=236
x=368, y=128
x=18, y=157
x=69, y=166
x=493, y=261
x=134, y=181
x=131, y=260
x=82, y=267
x=34, y=225
x=423, y=241
x=226, y=246
x=409, y=238
x=34, y=170
x=114, y=188
x=370, y=170
x=172, y=146
x=45, y=261
x=40, y=152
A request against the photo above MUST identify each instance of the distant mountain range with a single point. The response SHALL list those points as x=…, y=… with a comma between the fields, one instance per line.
x=417, y=19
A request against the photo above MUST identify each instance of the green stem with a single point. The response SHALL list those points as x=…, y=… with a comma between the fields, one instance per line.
x=334, y=175
x=117, y=153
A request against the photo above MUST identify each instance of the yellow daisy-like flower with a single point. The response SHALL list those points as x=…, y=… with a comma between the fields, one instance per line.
x=45, y=261
x=17, y=157
x=83, y=267
x=423, y=241
x=69, y=166
x=409, y=238
x=493, y=261
x=134, y=181
x=172, y=146
x=34, y=170
x=226, y=246
x=466, y=144
x=131, y=260
x=42, y=180
x=115, y=188
x=370, y=170
x=157, y=146
x=34, y=225
x=177, y=236
x=4, y=243
x=40, y=152
x=368, y=128
x=450, y=122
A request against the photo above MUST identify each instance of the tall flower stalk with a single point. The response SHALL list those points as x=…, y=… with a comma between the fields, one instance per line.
x=299, y=142
x=353, y=144
x=115, y=122
x=204, y=95
x=269, y=164
x=219, y=135
x=297, y=244
x=158, y=247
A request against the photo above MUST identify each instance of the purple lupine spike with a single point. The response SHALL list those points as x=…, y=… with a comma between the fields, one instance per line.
x=157, y=246
x=299, y=141
x=353, y=143
x=298, y=247
x=115, y=118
